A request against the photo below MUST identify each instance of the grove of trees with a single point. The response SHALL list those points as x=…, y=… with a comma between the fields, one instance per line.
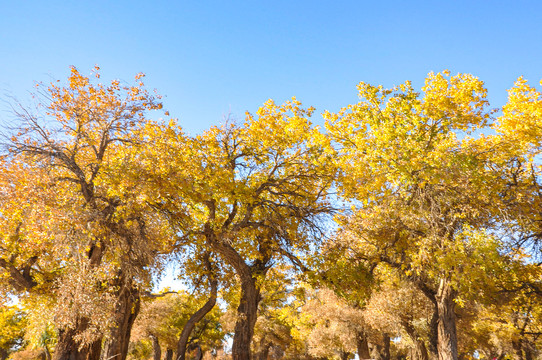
x=409, y=226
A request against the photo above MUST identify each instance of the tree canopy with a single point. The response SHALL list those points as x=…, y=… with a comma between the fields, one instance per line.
x=406, y=227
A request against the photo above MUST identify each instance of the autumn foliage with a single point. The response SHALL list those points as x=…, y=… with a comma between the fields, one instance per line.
x=406, y=227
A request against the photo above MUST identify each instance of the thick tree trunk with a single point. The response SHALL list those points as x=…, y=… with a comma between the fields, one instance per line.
x=250, y=293
x=246, y=319
x=68, y=349
x=157, y=350
x=194, y=319
x=362, y=345
x=126, y=311
x=169, y=354
x=447, y=336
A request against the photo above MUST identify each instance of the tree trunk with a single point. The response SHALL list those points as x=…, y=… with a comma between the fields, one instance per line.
x=386, y=340
x=194, y=319
x=169, y=354
x=68, y=349
x=420, y=351
x=362, y=345
x=157, y=351
x=126, y=311
x=250, y=293
x=246, y=319
x=447, y=336
x=433, y=331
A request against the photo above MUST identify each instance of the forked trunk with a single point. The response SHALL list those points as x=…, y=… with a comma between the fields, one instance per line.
x=447, y=336
x=246, y=319
x=194, y=319
x=126, y=311
x=250, y=293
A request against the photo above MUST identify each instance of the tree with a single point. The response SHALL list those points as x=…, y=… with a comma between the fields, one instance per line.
x=419, y=188
x=250, y=193
x=79, y=142
x=212, y=274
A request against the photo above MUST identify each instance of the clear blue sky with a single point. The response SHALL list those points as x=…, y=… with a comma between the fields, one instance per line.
x=211, y=58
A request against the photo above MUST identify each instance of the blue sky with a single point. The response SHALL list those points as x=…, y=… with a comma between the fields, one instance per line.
x=213, y=58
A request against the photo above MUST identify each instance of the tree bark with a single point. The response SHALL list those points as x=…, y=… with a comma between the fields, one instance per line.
x=433, y=331
x=157, y=351
x=126, y=311
x=68, y=349
x=362, y=345
x=447, y=336
x=169, y=354
x=386, y=340
x=250, y=293
x=194, y=319
x=246, y=319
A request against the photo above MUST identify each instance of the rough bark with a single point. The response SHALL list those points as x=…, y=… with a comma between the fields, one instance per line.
x=126, y=311
x=362, y=345
x=246, y=319
x=433, y=331
x=447, y=336
x=68, y=349
x=157, y=350
x=195, y=318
